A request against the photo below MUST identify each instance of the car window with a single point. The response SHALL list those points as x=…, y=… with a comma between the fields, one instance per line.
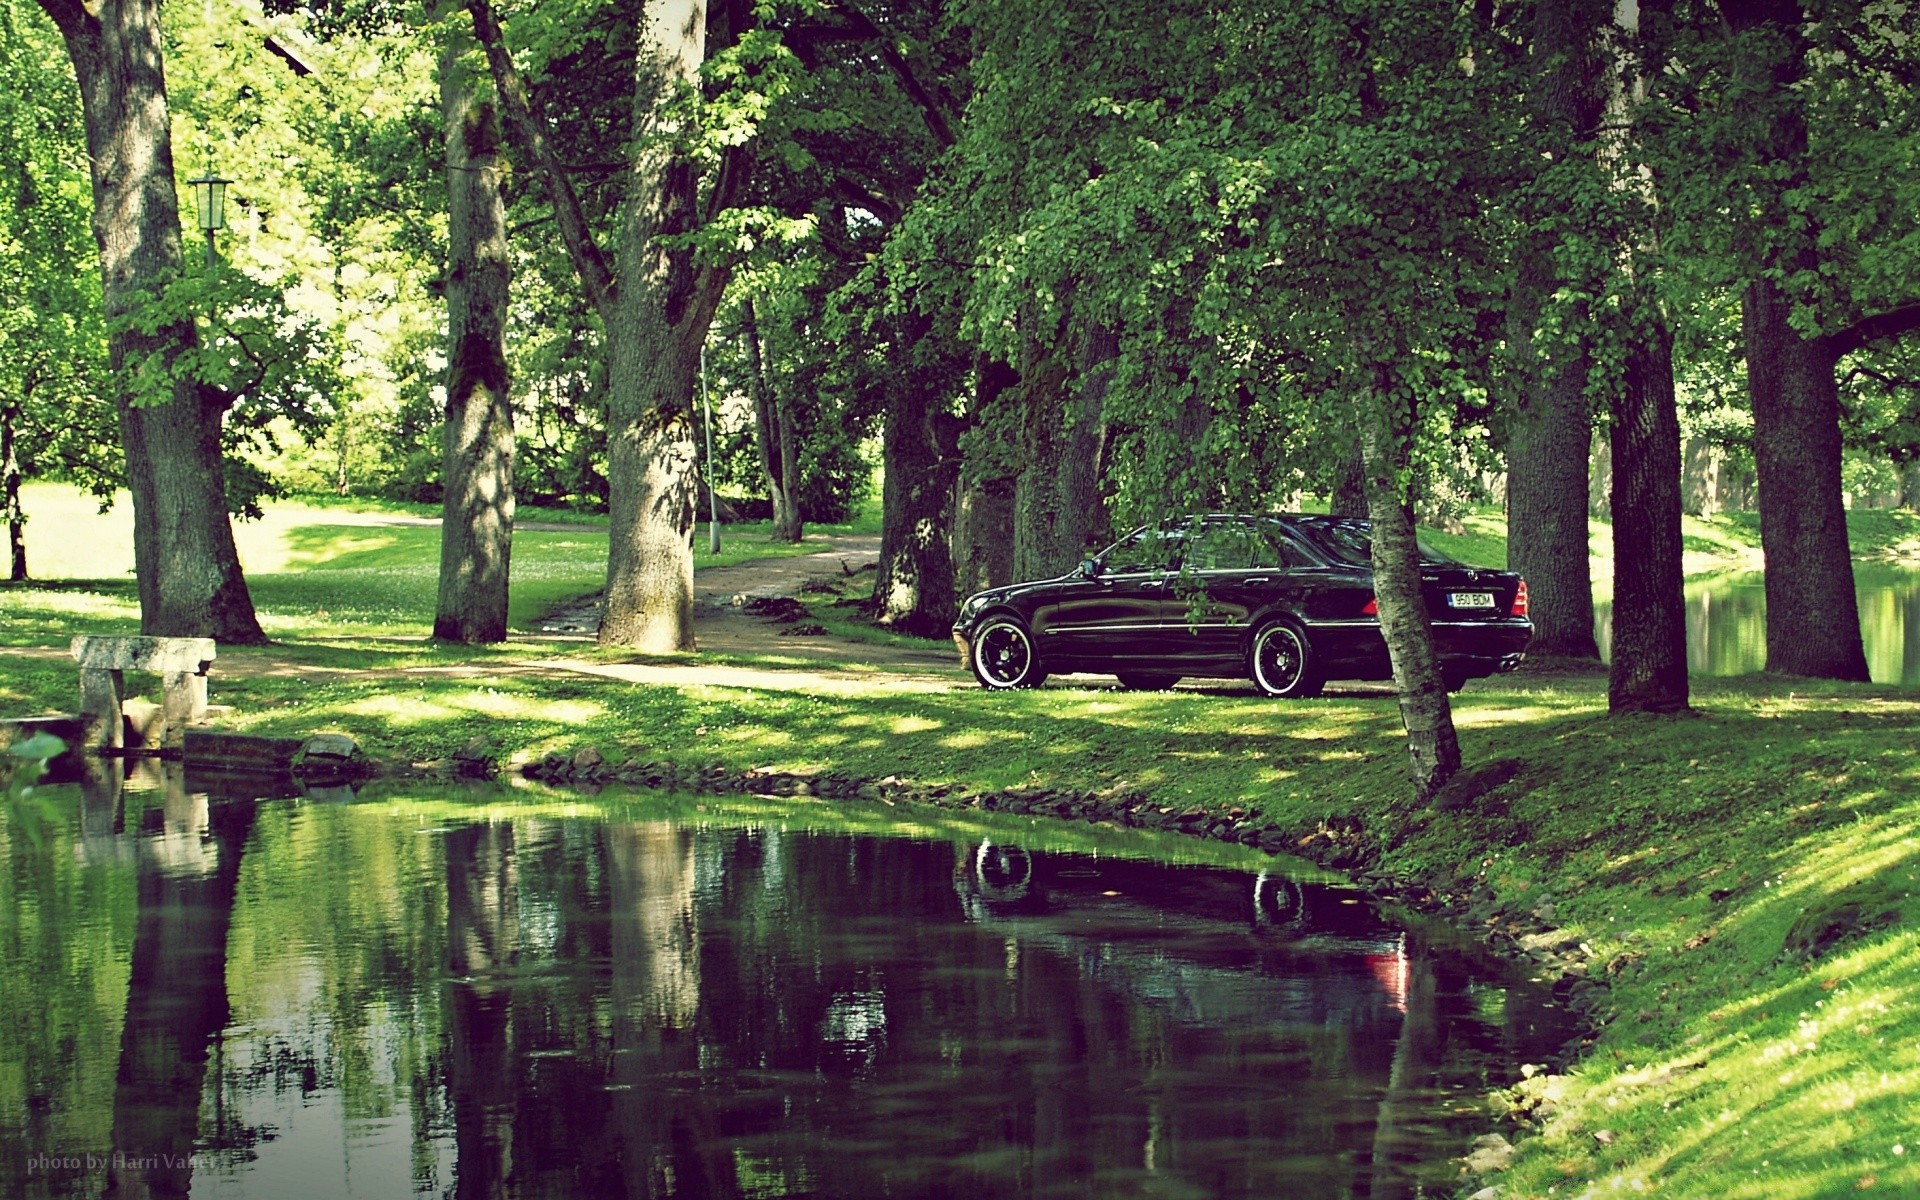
x=1222, y=546
x=1151, y=549
x=1274, y=547
x=1352, y=542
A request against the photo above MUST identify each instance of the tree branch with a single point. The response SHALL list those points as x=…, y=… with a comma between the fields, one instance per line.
x=1893, y=323
x=71, y=17
x=930, y=108
x=528, y=134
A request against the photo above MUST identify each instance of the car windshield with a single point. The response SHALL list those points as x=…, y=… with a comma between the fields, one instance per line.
x=1352, y=542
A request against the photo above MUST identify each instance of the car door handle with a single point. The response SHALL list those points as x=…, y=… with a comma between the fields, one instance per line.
x=1260, y=579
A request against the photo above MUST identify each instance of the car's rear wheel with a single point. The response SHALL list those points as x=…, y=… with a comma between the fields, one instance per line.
x=1004, y=655
x=1281, y=661
x=1147, y=681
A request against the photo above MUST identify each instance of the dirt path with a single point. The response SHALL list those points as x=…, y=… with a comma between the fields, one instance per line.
x=818, y=662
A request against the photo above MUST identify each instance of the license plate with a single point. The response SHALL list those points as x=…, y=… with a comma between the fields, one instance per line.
x=1469, y=599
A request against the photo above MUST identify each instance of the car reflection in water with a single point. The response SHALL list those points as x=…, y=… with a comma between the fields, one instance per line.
x=1284, y=600
x=1265, y=958
x=1204, y=946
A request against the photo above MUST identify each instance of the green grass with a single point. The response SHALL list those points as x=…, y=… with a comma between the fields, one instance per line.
x=1692, y=855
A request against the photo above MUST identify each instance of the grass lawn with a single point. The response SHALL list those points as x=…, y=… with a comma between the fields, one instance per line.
x=1747, y=879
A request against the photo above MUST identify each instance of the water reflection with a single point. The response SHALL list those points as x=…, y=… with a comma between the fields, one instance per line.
x=274, y=997
x=1727, y=624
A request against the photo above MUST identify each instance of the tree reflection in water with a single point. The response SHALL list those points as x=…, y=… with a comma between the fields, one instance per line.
x=541, y=1007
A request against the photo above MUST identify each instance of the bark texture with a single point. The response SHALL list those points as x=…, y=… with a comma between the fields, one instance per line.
x=657, y=306
x=1813, y=619
x=1058, y=508
x=1649, y=668
x=665, y=304
x=1550, y=434
x=1433, y=748
x=1349, y=498
x=1813, y=612
x=914, y=592
x=778, y=436
x=185, y=563
x=476, y=527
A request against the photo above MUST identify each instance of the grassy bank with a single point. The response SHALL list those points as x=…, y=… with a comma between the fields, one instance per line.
x=1744, y=879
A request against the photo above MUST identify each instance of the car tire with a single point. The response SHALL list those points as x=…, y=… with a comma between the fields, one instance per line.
x=1281, y=661
x=1004, y=655
x=1147, y=681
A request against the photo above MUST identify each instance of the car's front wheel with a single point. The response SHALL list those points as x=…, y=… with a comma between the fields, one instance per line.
x=1281, y=661
x=1004, y=656
x=1147, y=681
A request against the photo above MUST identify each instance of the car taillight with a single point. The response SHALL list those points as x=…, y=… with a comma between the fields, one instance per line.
x=1520, y=600
x=1372, y=609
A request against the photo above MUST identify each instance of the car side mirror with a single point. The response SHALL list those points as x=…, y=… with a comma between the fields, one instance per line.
x=1090, y=568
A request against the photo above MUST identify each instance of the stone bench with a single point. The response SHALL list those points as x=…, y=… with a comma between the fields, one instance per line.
x=181, y=664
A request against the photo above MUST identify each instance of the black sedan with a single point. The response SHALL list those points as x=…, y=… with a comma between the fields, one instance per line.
x=1284, y=600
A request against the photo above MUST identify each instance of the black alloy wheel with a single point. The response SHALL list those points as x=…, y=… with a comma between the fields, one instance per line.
x=1004, y=657
x=1147, y=681
x=1281, y=661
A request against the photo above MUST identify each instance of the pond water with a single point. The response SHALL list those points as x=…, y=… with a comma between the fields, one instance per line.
x=518, y=994
x=1727, y=623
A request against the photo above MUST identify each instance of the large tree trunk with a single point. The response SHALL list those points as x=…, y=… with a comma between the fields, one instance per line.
x=1649, y=668
x=657, y=311
x=185, y=563
x=1058, y=509
x=1813, y=615
x=10, y=473
x=773, y=420
x=1813, y=619
x=476, y=526
x=1433, y=748
x=665, y=304
x=1551, y=435
x=914, y=592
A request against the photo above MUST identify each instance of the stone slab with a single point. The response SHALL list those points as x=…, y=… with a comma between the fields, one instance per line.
x=101, y=652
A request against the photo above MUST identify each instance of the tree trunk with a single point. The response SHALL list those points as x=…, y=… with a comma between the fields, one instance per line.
x=1547, y=487
x=185, y=563
x=665, y=305
x=773, y=419
x=982, y=540
x=914, y=590
x=1433, y=748
x=10, y=473
x=1813, y=618
x=476, y=525
x=1349, y=498
x=982, y=534
x=1058, y=509
x=1551, y=435
x=1649, y=668
x=1813, y=615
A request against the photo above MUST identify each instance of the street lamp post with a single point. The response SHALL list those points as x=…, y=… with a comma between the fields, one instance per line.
x=210, y=206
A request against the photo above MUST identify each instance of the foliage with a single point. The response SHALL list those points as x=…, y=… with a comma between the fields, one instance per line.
x=53, y=368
